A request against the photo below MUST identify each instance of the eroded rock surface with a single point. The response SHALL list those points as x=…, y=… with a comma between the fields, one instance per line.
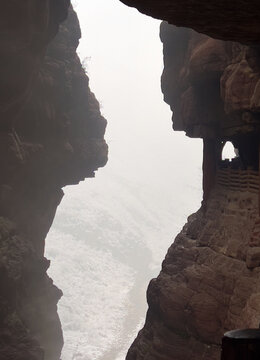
x=235, y=20
x=209, y=282
x=213, y=87
x=205, y=287
x=51, y=135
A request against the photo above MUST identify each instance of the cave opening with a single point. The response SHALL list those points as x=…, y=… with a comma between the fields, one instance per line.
x=117, y=227
x=248, y=150
x=242, y=152
x=228, y=151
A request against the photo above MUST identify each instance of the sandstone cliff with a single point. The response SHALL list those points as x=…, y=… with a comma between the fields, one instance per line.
x=209, y=282
x=52, y=135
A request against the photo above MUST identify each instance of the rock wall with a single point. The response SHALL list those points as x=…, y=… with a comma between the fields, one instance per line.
x=52, y=135
x=235, y=20
x=210, y=278
x=206, y=287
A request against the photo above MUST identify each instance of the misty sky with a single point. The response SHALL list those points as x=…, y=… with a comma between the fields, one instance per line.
x=123, y=54
x=112, y=232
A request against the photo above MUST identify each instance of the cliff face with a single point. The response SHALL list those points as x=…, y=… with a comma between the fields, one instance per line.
x=209, y=282
x=205, y=287
x=212, y=86
x=52, y=135
x=237, y=20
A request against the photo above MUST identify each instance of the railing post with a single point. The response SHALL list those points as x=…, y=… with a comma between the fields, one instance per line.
x=241, y=345
x=259, y=179
x=208, y=167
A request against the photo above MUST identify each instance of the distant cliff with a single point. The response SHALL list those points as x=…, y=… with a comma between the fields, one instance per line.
x=210, y=277
x=52, y=135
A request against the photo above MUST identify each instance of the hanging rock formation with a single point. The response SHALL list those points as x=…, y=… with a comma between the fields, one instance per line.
x=235, y=20
x=210, y=278
x=52, y=135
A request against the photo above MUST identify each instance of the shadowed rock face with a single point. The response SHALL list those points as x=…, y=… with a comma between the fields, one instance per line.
x=205, y=287
x=25, y=30
x=235, y=20
x=51, y=135
x=209, y=282
x=212, y=86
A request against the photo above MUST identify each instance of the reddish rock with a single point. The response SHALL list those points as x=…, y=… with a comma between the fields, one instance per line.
x=235, y=20
x=212, y=86
x=205, y=287
x=240, y=83
x=253, y=257
x=209, y=282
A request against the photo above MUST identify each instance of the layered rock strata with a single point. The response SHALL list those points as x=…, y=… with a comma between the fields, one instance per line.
x=235, y=20
x=209, y=282
x=52, y=135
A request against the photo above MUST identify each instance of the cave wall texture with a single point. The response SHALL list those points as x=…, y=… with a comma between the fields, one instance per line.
x=52, y=135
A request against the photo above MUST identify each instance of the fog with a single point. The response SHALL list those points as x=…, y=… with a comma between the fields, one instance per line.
x=111, y=233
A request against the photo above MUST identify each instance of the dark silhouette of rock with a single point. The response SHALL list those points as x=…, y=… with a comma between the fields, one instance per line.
x=209, y=279
x=235, y=20
x=241, y=344
x=51, y=135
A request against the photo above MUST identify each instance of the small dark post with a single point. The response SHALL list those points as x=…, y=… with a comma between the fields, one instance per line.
x=241, y=345
x=259, y=178
x=208, y=167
